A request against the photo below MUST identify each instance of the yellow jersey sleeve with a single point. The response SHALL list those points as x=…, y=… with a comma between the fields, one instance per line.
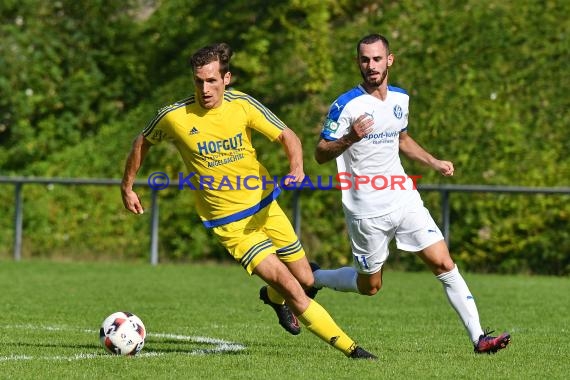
x=157, y=130
x=260, y=117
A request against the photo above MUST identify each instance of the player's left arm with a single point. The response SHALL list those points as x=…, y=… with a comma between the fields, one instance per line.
x=294, y=150
x=414, y=151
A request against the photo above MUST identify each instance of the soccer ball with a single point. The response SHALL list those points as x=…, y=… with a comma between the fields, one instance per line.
x=122, y=333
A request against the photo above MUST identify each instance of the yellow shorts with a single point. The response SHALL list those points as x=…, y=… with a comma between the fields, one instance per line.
x=252, y=239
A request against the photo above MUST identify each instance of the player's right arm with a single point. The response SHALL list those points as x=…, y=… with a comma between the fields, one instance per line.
x=135, y=159
x=327, y=150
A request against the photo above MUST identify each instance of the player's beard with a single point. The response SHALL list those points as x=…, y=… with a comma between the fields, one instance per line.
x=374, y=83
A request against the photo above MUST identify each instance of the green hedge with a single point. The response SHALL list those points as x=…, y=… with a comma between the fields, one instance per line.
x=486, y=79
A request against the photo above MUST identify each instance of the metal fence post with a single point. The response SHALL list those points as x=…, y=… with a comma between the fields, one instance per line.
x=18, y=221
x=154, y=229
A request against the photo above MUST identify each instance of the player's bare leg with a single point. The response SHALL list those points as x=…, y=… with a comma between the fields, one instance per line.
x=369, y=284
x=301, y=270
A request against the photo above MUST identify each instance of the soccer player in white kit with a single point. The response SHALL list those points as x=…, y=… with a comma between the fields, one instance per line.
x=365, y=130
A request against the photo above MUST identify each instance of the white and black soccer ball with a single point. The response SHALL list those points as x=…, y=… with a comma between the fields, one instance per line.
x=122, y=333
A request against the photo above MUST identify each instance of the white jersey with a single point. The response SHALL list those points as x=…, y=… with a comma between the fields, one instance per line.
x=370, y=173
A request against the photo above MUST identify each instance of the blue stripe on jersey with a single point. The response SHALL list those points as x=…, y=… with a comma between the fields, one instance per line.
x=163, y=111
x=336, y=108
x=397, y=89
x=229, y=96
x=290, y=249
x=244, y=213
x=326, y=136
x=254, y=251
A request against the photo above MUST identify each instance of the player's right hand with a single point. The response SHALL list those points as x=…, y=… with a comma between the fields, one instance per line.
x=362, y=126
x=132, y=202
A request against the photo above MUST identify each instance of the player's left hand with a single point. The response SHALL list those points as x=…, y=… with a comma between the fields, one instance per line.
x=295, y=175
x=445, y=168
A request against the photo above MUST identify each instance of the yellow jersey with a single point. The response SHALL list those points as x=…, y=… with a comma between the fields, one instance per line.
x=215, y=144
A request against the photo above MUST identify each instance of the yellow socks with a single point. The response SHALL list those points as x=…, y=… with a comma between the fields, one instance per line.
x=320, y=323
x=274, y=296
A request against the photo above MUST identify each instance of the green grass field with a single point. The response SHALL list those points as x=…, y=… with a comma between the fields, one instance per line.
x=205, y=322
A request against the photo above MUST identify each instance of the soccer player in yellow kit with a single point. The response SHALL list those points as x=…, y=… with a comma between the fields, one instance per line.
x=235, y=195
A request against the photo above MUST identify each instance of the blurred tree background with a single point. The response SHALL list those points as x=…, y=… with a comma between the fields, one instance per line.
x=488, y=82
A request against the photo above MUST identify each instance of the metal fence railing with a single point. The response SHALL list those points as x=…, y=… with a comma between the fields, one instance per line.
x=444, y=191
x=19, y=182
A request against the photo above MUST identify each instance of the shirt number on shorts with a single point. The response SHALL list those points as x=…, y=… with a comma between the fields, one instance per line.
x=362, y=261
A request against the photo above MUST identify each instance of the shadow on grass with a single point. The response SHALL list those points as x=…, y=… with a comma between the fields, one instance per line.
x=157, y=345
x=51, y=345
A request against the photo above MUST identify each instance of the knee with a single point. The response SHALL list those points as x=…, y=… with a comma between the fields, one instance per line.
x=370, y=292
x=369, y=289
x=369, y=285
x=446, y=266
x=438, y=259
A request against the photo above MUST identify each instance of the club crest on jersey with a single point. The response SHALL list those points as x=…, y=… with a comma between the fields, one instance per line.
x=398, y=111
x=331, y=125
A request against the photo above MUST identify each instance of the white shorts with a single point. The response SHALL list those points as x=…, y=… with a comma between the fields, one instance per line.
x=413, y=227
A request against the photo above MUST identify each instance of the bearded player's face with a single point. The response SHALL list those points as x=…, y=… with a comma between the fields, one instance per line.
x=374, y=61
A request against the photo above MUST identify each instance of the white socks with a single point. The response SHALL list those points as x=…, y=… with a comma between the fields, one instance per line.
x=462, y=301
x=341, y=279
x=456, y=290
